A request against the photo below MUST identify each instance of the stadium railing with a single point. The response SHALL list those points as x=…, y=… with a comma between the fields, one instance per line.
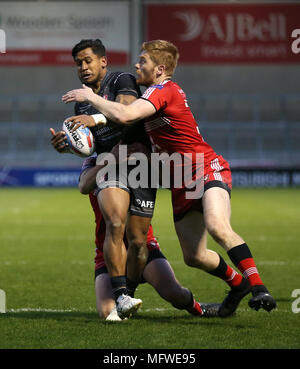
x=248, y=130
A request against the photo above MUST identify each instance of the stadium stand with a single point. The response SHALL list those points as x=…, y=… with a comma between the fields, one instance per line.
x=248, y=130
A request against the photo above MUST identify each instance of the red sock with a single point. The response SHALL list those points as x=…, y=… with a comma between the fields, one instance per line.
x=243, y=260
x=249, y=270
x=195, y=309
x=228, y=274
x=232, y=278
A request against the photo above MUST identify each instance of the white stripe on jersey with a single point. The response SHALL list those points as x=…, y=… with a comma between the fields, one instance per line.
x=216, y=165
x=148, y=92
x=150, y=89
x=156, y=123
x=218, y=176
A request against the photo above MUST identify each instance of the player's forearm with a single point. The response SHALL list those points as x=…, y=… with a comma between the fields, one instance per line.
x=114, y=111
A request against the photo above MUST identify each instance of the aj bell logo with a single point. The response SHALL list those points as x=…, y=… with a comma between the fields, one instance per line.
x=296, y=43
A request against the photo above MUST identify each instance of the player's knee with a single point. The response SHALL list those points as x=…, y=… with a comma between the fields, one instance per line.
x=115, y=223
x=137, y=242
x=195, y=260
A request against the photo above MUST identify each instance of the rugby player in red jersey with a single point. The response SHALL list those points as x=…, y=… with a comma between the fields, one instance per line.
x=173, y=129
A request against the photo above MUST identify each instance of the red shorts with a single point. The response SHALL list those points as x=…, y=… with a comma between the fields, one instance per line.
x=217, y=173
x=152, y=243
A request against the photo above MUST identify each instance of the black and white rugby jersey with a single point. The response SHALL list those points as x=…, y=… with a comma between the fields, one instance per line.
x=106, y=137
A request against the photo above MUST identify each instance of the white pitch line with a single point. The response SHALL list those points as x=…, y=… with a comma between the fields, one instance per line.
x=277, y=262
x=150, y=310
x=40, y=310
x=72, y=310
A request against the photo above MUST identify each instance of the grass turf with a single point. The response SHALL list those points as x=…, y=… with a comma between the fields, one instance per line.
x=46, y=270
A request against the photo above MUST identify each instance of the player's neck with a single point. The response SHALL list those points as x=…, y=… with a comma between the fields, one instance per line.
x=96, y=87
x=161, y=80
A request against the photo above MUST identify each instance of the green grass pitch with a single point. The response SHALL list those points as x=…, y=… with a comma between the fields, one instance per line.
x=46, y=270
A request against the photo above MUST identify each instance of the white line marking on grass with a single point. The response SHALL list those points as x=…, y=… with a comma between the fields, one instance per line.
x=242, y=310
x=40, y=310
x=43, y=310
x=149, y=310
x=72, y=310
x=277, y=262
x=157, y=310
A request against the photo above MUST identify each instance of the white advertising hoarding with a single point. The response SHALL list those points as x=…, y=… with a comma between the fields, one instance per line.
x=43, y=33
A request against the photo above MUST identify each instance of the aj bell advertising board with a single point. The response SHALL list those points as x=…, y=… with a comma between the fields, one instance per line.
x=227, y=33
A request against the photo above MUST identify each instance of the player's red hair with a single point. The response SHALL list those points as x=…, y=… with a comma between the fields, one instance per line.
x=162, y=52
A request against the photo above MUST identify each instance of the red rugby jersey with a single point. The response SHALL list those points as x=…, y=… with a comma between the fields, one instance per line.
x=173, y=127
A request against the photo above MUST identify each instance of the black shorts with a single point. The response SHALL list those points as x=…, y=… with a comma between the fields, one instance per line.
x=142, y=199
x=153, y=254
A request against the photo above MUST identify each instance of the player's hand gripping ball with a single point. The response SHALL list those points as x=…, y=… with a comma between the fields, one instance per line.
x=81, y=141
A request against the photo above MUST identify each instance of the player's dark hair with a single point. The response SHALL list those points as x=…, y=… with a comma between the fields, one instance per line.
x=95, y=44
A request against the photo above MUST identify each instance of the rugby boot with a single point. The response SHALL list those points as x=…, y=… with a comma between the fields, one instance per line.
x=234, y=297
x=210, y=310
x=126, y=306
x=205, y=310
x=261, y=299
x=113, y=316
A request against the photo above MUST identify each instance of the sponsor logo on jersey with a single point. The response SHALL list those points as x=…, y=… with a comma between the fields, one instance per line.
x=160, y=87
x=151, y=89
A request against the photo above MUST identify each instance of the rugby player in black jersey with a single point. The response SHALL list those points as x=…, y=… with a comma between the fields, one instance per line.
x=116, y=198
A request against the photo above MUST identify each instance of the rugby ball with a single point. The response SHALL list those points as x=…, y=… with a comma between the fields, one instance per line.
x=81, y=141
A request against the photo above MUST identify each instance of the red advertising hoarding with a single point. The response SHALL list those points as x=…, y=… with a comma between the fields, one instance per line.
x=227, y=33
